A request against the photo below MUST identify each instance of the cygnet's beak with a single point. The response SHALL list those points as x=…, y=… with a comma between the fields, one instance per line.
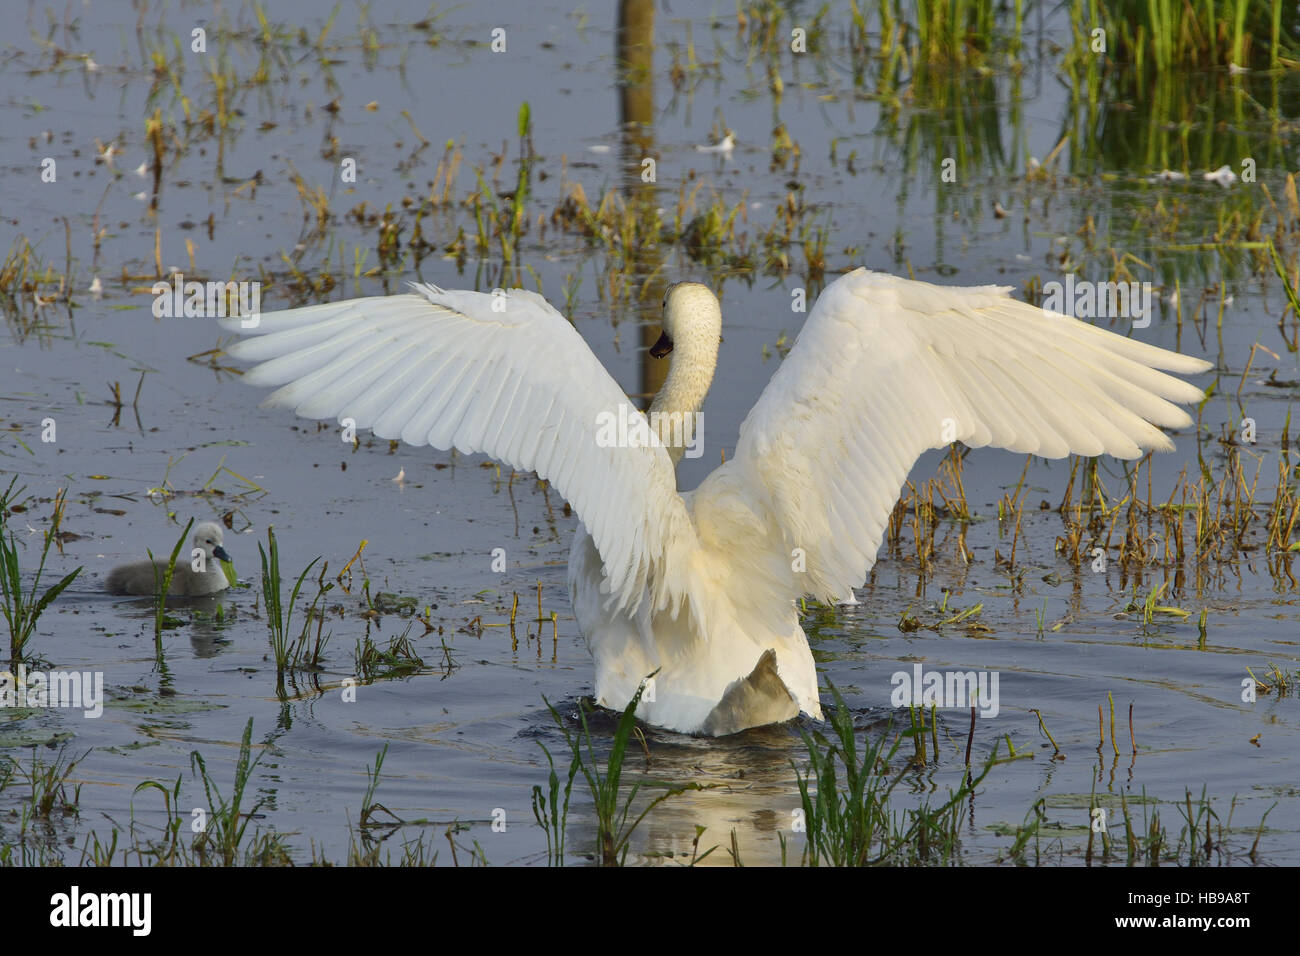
x=220, y=554
x=662, y=347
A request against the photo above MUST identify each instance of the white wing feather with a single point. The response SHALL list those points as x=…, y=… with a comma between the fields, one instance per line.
x=520, y=385
x=886, y=368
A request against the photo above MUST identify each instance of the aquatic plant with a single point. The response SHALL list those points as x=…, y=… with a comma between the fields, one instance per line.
x=614, y=821
x=223, y=827
x=398, y=659
x=1159, y=35
x=23, y=608
x=162, y=584
x=279, y=615
x=852, y=823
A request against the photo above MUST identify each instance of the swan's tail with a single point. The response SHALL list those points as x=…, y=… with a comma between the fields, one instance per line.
x=753, y=701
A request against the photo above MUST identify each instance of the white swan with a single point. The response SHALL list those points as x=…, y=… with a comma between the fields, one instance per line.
x=701, y=586
x=143, y=577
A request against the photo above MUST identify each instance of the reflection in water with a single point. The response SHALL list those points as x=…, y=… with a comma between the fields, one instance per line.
x=636, y=102
x=752, y=790
x=207, y=618
x=748, y=783
x=208, y=635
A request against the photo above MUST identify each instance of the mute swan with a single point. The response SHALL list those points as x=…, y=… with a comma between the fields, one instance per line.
x=139, y=577
x=701, y=587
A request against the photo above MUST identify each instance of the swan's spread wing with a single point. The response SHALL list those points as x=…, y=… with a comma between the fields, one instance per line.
x=507, y=376
x=886, y=368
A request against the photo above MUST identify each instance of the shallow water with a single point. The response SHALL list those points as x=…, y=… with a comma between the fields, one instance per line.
x=463, y=739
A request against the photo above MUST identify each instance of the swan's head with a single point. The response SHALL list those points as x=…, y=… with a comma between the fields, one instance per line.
x=208, y=539
x=692, y=319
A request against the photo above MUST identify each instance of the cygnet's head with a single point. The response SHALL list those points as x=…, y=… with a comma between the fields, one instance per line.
x=692, y=320
x=208, y=538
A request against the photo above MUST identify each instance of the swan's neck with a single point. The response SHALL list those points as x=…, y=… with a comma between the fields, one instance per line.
x=675, y=412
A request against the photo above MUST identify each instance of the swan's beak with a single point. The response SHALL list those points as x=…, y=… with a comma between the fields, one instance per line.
x=220, y=554
x=662, y=347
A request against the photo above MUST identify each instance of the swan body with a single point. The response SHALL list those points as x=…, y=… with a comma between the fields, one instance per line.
x=142, y=577
x=699, y=588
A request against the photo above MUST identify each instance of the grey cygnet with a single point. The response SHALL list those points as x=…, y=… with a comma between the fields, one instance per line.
x=138, y=577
